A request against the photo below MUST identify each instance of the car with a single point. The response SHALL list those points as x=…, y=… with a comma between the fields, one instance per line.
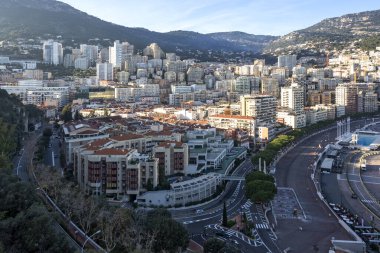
x=198, y=211
x=354, y=196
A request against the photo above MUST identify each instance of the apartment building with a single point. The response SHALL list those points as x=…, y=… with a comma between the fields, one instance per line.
x=114, y=172
x=292, y=98
x=223, y=121
x=173, y=157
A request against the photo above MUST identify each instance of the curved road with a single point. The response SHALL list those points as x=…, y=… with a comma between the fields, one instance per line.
x=294, y=171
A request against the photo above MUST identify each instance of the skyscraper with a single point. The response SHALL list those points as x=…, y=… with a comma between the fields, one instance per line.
x=52, y=52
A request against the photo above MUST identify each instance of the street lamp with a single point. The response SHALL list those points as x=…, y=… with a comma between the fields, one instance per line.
x=88, y=237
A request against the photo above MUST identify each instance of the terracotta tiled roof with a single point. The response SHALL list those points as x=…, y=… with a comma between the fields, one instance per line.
x=125, y=137
x=98, y=143
x=111, y=151
x=232, y=116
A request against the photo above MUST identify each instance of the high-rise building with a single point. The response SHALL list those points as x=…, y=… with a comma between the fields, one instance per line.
x=154, y=51
x=90, y=52
x=270, y=86
x=367, y=101
x=262, y=107
x=346, y=95
x=119, y=53
x=242, y=85
x=195, y=74
x=104, y=71
x=82, y=63
x=287, y=61
x=52, y=52
x=293, y=98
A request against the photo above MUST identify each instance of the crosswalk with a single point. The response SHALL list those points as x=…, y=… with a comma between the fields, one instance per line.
x=230, y=232
x=262, y=226
x=368, y=201
x=249, y=215
x=247, y=204
x=253, y=242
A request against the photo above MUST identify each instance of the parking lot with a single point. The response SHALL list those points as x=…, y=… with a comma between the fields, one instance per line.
x=286, y=205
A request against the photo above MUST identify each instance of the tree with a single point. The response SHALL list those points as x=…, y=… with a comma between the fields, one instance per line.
x=258, y=175
x=213, y=245
x=66, y=114
x=87, y=209
x=260, y=191
x=109, y=225
x=25, y=226
x=170, y=235
x=224, y=218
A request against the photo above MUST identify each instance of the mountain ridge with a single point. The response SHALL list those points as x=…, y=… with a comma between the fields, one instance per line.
x=330, y=33
x=39, y=18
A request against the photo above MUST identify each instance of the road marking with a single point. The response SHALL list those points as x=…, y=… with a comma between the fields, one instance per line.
x=368, y=201
x=262, y=226
x=52, y=158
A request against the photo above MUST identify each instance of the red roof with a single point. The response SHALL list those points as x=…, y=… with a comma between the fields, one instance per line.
x=224, y=116
x=111, y=151
x=125, y=137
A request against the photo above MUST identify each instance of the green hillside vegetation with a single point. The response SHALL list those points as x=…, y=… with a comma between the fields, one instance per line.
x=35, y=19
x=21, y=214
x=369, y=43
x=332, y=33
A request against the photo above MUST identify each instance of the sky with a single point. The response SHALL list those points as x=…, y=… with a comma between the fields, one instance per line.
x=269, y=17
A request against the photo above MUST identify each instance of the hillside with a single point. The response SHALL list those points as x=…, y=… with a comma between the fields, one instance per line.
x=41, y=19
x=330, y=33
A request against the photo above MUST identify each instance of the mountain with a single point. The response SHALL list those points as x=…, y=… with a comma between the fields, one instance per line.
x=330, y=33
x=41, y=19
x=244, y=40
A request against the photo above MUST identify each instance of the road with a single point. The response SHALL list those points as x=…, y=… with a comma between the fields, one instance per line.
x=52, y=153
x=21, y=163
x=365, y=199
x=236, y=202
x=319, y=225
